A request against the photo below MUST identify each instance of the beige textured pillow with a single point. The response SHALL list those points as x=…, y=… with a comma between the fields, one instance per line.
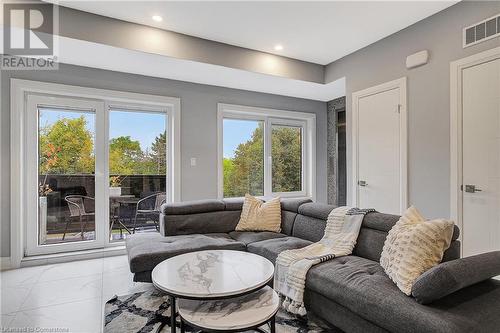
x=257, y=215
x=414, y=246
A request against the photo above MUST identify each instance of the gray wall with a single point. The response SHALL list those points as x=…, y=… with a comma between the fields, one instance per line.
x=108, y=31
x=428, y=92
x=198, y=125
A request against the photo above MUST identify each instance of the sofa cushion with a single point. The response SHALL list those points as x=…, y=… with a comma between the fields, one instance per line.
x=192, y=207
x=413, y=246
x=374, y=232
x=257, y=215
x=293, y=204
x=200, y=223
x=233, y=203
x=361, y=286
x=147, y=250
x=248, y=237
x=310, y=228
x=272, y=247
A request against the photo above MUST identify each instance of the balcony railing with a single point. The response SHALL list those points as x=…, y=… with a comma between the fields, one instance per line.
x=59, y=224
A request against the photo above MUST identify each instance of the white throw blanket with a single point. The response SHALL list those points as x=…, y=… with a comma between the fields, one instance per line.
x=341, y=233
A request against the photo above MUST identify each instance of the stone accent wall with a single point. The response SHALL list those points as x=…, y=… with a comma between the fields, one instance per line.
x=332, y=159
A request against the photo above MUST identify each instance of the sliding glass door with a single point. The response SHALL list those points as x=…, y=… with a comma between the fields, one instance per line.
x=96, y=172
x=137, y=162
x=65, y=174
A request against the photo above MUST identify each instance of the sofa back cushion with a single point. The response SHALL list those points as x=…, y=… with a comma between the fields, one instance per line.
x=199, y=223
x=310, y=224
x=215, y=216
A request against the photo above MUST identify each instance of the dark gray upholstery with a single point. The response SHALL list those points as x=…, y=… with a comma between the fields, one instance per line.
x=338, y=315
x=271, y=248
x=448, y=277
x=453, y=251
x=352, y=292
x=287, y=221
x=293, y=205
x=370, y=243
x=374, y=231
x=233, y=203
x=319, y=211
x=192, y=207
x=145, y=251
x=309, y=228
x=200, y=223
x=248, y=237
x=361, y=286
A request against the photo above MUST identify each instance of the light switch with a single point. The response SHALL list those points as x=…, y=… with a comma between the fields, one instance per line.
x=193, y=161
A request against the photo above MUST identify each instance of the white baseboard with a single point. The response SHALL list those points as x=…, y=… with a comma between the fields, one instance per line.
x=5, y=263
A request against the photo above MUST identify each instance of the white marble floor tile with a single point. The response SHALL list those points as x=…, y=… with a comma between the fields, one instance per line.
x=115, y=264
x=64, y=291
x=6, y=319
x=73, y=269
x=68, y=295
x=121, y=283
x=12, y=297
x=81, y=316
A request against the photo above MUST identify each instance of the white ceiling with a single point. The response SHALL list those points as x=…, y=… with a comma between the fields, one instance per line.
x=318, y=32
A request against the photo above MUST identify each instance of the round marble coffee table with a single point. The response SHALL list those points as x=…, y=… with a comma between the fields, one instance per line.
x=235, y=314
x=211, y=275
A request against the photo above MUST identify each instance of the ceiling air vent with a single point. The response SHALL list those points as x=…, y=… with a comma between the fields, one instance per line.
x=484, y=30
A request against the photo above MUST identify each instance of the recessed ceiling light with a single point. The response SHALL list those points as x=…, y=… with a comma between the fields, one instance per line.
x=157, y=18
x=278, y=47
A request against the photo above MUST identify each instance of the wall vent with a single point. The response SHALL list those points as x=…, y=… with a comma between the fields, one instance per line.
x=482, y=31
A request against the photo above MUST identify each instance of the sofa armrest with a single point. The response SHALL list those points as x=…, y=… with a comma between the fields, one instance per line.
x=448, y=277
x=197, y=217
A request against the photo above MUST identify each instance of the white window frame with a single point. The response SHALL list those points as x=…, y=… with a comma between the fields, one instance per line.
x=34, y=101
x=270, y=117
x=21, y=166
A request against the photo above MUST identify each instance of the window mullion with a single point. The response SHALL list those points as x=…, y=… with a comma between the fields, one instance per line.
x=267, y=158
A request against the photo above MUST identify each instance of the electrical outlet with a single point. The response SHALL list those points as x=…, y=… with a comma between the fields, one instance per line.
x=193, y=161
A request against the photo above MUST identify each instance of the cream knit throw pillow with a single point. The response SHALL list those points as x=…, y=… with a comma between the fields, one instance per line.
x=257, y=215
x=414, y=246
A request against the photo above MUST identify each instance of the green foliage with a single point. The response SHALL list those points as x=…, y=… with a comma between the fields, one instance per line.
x=125, y=156
x=286, y=155
x=244, y=173
x=67, y=147
x=158, y=154
x=74, y=144
x=246, y=169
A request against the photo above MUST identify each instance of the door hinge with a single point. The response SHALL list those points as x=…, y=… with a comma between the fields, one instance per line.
x=399, y=108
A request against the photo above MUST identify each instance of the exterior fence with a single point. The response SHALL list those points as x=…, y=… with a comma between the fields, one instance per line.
x=62, y=185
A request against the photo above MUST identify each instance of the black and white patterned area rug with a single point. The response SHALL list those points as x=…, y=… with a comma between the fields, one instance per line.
x=144, y=312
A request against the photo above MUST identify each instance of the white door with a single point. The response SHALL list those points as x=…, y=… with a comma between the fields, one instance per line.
x=481, y=158
x=381, y=148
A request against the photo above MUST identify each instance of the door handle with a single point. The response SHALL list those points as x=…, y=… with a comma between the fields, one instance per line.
x=472, y=189
x=362, y=183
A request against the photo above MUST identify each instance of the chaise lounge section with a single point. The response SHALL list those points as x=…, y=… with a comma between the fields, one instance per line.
x=353, y=292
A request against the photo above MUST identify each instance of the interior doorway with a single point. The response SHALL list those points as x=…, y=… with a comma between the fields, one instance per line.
x=475, y=114
x=379, y=147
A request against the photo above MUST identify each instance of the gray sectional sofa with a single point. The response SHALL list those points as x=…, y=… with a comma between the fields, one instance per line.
x=352, y=293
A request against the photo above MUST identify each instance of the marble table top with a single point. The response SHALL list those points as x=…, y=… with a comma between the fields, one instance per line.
x=231, y=314
x=212, y=274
